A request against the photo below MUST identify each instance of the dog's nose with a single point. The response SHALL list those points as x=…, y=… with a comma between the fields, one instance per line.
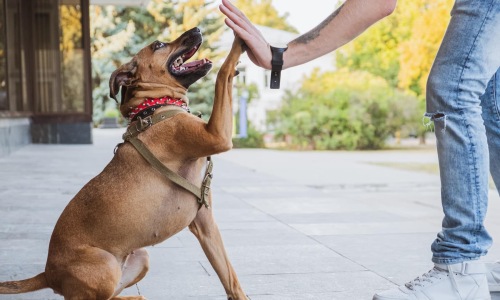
x=196, y=29
x=191, y=31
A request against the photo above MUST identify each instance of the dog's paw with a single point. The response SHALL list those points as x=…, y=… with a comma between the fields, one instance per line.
x=230, y=298
x=236, y=72
x=243, y=46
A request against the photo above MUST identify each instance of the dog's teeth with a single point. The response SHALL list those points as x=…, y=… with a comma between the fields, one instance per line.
x=178, y=62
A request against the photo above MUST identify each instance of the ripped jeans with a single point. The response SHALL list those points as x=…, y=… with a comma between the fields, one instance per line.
x=463, y=101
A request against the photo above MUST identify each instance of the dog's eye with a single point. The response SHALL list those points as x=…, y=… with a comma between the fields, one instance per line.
x=157, y=45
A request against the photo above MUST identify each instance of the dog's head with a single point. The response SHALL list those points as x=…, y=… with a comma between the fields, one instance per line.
x=159, y=70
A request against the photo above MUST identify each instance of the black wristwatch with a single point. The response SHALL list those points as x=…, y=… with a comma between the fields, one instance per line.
x=277, y=65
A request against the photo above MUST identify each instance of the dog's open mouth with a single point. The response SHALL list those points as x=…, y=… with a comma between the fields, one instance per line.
x=180, y=67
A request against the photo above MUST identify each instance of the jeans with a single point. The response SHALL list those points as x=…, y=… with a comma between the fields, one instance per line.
x=463, y=101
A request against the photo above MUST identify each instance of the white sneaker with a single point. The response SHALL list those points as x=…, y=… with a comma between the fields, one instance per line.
x=463, y=281
x=493, y=276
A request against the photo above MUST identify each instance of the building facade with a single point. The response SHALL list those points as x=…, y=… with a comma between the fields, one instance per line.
x=45, y=76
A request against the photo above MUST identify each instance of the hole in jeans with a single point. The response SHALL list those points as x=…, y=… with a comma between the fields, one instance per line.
x=433, y=117
x=437, y=116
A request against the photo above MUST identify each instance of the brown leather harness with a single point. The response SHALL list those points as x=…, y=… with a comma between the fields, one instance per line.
x=136, y=127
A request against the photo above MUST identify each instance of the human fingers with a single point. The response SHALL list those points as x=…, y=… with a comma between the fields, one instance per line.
x=241, y=26
x=239, y=31
x=257, y=46
x=233, y=12
x=239, y=19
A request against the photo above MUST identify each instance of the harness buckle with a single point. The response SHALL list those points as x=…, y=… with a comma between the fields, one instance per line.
x=205, y=188
x=143, y=124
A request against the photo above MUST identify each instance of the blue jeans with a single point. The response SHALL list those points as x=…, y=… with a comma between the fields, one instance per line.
x=463, y=94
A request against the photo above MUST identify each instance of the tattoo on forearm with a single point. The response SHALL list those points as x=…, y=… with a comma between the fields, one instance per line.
x=307, y=37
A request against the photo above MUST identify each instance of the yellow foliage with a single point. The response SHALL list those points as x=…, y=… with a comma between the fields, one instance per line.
x=321, y=83
x=71, y=29
x=417, y=53
x=402, y=47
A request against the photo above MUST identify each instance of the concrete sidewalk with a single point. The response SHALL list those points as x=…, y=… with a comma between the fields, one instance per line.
x=296, y=225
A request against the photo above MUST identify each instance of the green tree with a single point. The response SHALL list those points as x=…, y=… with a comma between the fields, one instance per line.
x=401, y=48
x=375, y=51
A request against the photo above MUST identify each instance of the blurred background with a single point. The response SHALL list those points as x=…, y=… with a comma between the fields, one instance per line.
x=56, y=57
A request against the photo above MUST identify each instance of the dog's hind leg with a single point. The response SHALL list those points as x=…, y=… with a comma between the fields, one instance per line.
x=91, y=273
x=133, y=270
x=207, y=232
x=99, y=275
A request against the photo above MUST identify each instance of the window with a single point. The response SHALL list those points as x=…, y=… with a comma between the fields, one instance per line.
x=4, y=105
x=17, y=98
x=242, y=76
x=72, y=57
x=44, y=57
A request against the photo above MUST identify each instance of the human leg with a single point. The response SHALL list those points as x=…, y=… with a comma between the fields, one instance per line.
x=465, y=63
x=491, y=115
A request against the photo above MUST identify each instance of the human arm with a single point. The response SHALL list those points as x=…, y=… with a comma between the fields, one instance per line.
x=343, y=25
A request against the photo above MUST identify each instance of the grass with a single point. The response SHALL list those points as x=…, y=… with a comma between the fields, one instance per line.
x=419, y=167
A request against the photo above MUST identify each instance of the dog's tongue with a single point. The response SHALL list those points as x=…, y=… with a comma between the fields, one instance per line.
x=196, y=63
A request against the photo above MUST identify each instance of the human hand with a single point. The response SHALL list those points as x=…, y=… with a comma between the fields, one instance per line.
x=257, y=47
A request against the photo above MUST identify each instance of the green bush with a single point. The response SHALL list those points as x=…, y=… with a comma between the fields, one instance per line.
x=255, y=139
x=344, y=110
x=112, y=113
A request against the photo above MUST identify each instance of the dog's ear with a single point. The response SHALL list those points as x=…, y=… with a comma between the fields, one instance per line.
x=123, y=76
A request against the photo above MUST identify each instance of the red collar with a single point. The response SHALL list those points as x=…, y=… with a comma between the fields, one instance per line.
x=148, y=106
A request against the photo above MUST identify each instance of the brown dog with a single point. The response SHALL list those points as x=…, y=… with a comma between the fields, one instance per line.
x=97, y=247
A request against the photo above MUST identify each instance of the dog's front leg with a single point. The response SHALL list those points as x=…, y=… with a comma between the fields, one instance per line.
x=207, y=232
x=202, y=139
x=219, y=129
x=220, y=125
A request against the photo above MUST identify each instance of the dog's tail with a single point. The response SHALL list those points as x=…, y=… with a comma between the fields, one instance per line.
x=23, y=286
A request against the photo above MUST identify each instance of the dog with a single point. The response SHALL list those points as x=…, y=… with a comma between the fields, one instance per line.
x=97, y=246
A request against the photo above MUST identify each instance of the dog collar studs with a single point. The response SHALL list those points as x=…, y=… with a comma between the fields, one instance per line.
x=277, y=65
x=148, y=106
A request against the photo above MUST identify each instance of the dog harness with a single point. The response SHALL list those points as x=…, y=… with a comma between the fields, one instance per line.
x=141, y=125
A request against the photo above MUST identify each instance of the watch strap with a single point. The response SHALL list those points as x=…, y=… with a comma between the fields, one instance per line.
x=277, y=66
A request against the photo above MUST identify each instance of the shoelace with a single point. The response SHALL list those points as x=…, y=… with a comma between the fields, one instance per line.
x=420, y=281
x=435, y=273
x=494, y=273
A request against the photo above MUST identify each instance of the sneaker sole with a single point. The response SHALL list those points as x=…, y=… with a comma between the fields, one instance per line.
x=494, y=288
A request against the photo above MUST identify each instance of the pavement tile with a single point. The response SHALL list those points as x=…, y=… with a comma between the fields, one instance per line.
x=296, y=225
x=405, y=227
